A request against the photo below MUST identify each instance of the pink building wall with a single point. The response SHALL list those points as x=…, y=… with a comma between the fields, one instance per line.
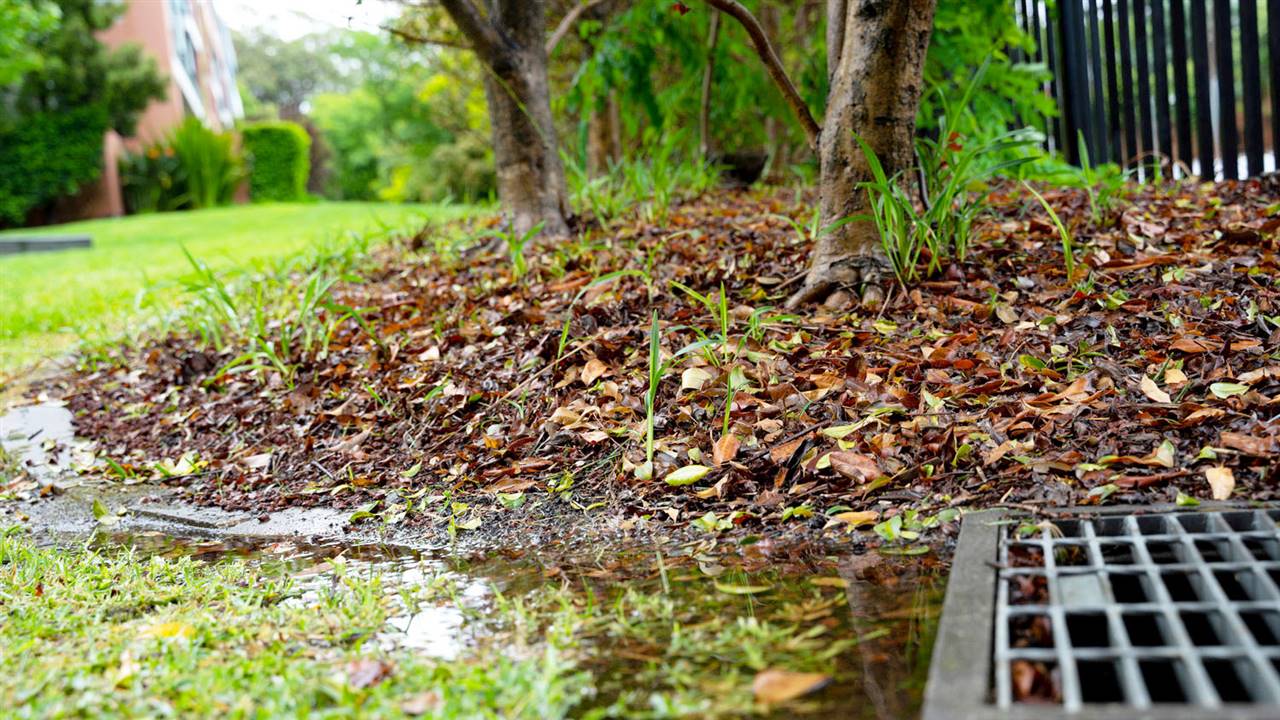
x=211, y=95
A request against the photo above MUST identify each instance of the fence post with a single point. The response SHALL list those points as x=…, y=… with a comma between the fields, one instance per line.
x=1251, y=78
x=1181, y=92
x=1160, y=64
x=1204, y=103
x=1126, y=69
x=1228, y=138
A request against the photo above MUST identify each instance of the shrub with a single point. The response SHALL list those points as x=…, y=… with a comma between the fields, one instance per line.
x=280, y=156
x=48, y=155
x=209, y=162
x=153, y=180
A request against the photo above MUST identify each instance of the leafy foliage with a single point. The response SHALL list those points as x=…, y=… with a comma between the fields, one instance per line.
x=280, y=160
x=49, y=155
x=75, y=69
x=209, y=161
x=153, y=180
x=415, y=127
x=18, y=21
x=64, y=89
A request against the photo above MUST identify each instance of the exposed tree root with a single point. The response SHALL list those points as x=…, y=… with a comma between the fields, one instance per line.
x=863, y=274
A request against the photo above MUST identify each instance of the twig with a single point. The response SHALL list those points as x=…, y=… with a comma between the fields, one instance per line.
x=767, y=55
x=567, y=22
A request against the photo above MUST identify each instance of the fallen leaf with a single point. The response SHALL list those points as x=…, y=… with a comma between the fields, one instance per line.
x=420, y=704
x=1174, y=376
x=1221, y=481
x=694, y=378
x=774, y=686
x=595, y=436
x=742, y=589
x=1249, y=444
x=687, y=475
x=367, y=672
x=170, y=631
x=856, y=518
x=725, y=449
x=1153, y=391
x=592, y=371
x=855, y=466
x=1224, y=390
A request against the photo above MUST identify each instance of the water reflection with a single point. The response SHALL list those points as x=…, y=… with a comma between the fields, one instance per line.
x=877, y=613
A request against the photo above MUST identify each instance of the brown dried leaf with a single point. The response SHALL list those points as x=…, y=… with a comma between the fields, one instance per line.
x=1249, y=444
x=367, y=672
x=592, y=371
x=725, y=449
x=855, y=466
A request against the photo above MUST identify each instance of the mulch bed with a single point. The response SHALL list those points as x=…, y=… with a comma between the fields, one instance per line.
x=996, y=381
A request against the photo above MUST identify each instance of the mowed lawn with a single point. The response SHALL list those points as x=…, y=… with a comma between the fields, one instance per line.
x=50, y=300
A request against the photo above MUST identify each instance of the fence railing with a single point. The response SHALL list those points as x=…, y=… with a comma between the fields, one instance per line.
x=1183, y=87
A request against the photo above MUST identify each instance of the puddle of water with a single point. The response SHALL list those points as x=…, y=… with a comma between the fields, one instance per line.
x=890, y=605
x=40, y=438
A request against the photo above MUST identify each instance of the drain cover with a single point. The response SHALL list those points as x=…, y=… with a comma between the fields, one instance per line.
x=1112, y=615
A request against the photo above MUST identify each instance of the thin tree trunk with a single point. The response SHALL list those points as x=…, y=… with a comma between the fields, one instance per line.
x=875, y=92
x=615, y=127
x=708, y=75
x=510, y=41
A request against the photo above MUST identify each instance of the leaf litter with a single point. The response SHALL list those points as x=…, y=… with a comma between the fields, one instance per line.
x=1000, y=380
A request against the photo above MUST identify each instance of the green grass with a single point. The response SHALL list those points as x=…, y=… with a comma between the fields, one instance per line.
x=111, y=632
x=49, y=300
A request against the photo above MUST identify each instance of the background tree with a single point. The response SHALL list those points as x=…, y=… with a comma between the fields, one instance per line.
x=19, y=20
x=53, y=116
x=876, y=54
x=510, y=42
x=414, y=128
x=285, y=74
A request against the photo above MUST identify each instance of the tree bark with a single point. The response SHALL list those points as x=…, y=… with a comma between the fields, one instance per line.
x=875, y=92
x=510, y=41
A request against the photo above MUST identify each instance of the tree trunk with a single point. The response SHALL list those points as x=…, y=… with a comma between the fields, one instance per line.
x=875, y=90
x=525, y=151
x=511, y=43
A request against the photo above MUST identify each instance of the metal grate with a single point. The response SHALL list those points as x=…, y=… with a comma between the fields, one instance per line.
x=1140, y=610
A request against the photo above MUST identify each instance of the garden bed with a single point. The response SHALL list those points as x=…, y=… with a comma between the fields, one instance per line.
x=1151, y=375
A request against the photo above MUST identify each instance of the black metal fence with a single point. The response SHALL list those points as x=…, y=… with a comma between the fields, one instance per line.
x=1186, y=87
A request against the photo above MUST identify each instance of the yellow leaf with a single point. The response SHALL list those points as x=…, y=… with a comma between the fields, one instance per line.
x=778, y=686
x=1153, y=391
x=1221, y=480
x=170, y=631
x=687, y=475
x=857, y=518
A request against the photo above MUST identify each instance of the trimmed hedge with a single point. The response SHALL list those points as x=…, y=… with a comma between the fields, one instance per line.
x=281, y=161
x=47, y=156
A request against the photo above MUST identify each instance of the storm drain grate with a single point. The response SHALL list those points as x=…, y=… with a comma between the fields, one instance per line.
x=1156, y=612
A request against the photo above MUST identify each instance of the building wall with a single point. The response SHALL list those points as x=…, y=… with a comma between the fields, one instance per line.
x=193, y=50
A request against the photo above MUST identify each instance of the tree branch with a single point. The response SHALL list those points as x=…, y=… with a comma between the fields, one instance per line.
x=566, y=24
x=485, y=39
x=420, y=40
x=771, y=62
x=837, y=15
